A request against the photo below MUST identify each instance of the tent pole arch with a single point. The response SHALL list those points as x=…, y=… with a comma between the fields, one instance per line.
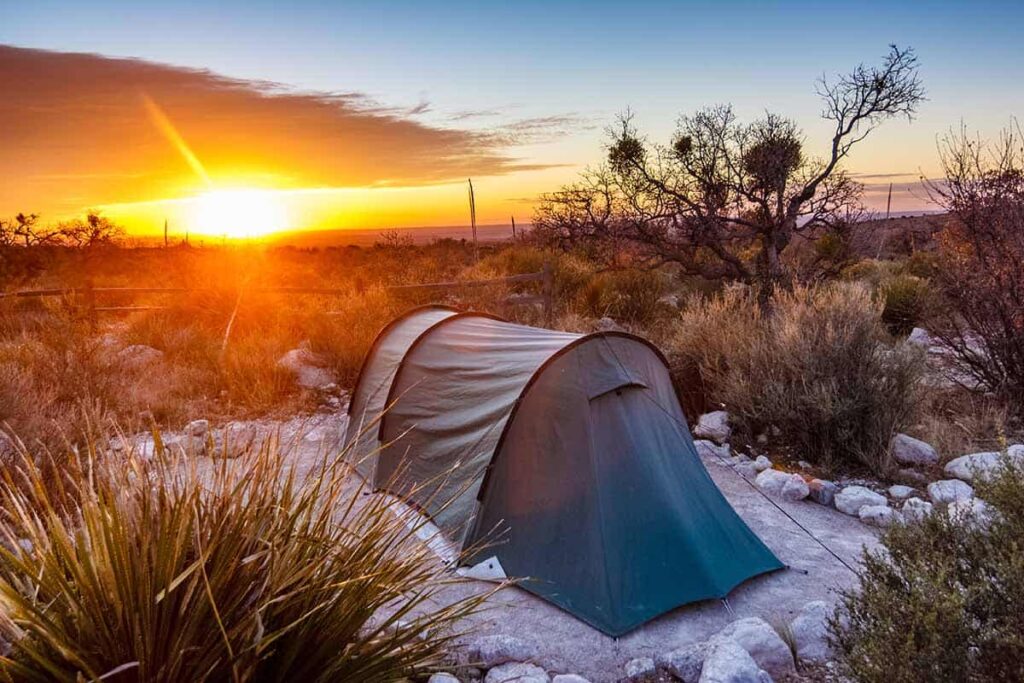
x=533, y=380
x=412, y=347
x=380, y=337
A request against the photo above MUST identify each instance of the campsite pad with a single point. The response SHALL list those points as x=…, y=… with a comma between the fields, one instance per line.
x=566, y=645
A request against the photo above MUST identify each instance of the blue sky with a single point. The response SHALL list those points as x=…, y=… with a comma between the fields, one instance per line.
x=505, y=62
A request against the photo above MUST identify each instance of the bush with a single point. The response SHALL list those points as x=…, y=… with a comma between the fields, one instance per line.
x=907, y=301
x=942, y=602
x=173, y=570
x=628, y=295
x=816, y=366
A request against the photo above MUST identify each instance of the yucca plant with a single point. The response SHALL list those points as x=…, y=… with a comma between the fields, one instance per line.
x=187, y=569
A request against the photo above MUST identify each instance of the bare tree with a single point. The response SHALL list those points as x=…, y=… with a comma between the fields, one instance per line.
x=94, y=230
x=982, y=273
x=725, y=199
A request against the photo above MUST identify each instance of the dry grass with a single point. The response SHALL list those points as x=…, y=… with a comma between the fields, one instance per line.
x=162, y=569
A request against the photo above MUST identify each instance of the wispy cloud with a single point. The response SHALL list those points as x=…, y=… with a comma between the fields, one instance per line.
x=75, y=125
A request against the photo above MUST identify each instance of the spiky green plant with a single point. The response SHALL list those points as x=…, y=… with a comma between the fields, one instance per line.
x=187, y=569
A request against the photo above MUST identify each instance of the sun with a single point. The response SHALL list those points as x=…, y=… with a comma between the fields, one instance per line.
x=239, y=213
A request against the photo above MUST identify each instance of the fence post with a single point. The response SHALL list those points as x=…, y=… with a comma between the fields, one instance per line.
x=90, y=304
x=547, y=287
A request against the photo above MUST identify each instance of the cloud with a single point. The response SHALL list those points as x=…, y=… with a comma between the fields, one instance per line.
x=542, y=128
x=76, y=125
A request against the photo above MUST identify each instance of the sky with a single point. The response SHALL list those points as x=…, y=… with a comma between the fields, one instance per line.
x=372, y=114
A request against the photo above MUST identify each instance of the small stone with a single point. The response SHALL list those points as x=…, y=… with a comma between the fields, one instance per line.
x=606, y=324
x=490, y=651
x=910, y=451
x=878, y=515
x=804, y=465
x=639, y=667
x=763, y=643
x=517, y=672
x=684, y=663
x=852, y=498
x=915, y=509
x=762, y=463
x=920, y=337
x=795, y=488
x=900, y=492
x=711, y=450
x=823, y=491
x=305, y=367
x=747, y=470
x=949, y=491
x=714, y=426
x=442, y=677
x=727, y=662
x=197, y=428
x=569, y=678
x=810, y=632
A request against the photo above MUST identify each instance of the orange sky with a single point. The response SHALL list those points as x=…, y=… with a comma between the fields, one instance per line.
x=146, y=142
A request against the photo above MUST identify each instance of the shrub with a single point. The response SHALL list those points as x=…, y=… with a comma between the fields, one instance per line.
x=817, y=366
x=907, y=301
x=629, y=295
x=942, y=601
x=174, y=570
x=982, y=251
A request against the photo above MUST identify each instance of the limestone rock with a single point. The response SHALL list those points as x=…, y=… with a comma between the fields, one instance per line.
x=910, y=451
x=983, y=465
x=823, y=491
x=606, y=324
x=569, y=678
x=915, y=509
x=764, y=644
x=852, y=498
x=490, y=651
x=901, y=492
x=305, y=366
x=442, y=678
x=639, y=667
x=878, y=515
x=684, y=663
x=517, y=672
x=714, y=426
x=197, y=428
x=762, y=463
x=727, y=662
x=949, y=491
x=795, y=488
x=810, y=632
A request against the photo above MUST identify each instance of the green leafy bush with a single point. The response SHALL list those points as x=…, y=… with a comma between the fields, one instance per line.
x=907, y=301
x=176, y=569
x=943, y=601
x=816, y=365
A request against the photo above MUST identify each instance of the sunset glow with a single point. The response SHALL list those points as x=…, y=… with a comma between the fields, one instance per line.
x=238, y=213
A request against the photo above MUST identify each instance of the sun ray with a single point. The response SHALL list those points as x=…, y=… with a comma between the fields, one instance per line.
x=168, y=130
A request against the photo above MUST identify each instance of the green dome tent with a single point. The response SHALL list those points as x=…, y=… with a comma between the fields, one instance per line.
x=573, y=446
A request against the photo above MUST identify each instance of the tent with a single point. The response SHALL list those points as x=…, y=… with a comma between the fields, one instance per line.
x=573, y=447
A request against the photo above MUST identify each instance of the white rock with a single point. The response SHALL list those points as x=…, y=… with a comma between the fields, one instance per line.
x=852, y=498
x=304, y=365
x=669, y=300
x=949, y=491
x=920, y=337
x=823, y=491
x=727, y=662
x=747, y=470
x=910, y=451
x=517, y=672
x=901, y=492
x=714, y=426
x=878, y=515
x=490, y=651
x=711, y=450
x=442, y=678
x=197, y=428
x=606, y=324
x=983, y=465
x=763, y=643
x=684, y=663
x=810, y=632
x=970, y=511
x=762, y=463
x=569, y=678
x=915, y=509
x=795, y=488
x=639, y=667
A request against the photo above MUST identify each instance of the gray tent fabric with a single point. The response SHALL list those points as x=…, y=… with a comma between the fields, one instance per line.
x=568, y=453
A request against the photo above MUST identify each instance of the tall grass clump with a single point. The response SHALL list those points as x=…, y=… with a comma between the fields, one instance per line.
x=816, y=365
x=942, y=600
x=168, y=569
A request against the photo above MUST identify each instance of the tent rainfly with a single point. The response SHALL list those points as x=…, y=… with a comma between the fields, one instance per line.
x=574, y=447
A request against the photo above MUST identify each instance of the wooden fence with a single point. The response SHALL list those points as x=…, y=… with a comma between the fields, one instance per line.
x=88, y=295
